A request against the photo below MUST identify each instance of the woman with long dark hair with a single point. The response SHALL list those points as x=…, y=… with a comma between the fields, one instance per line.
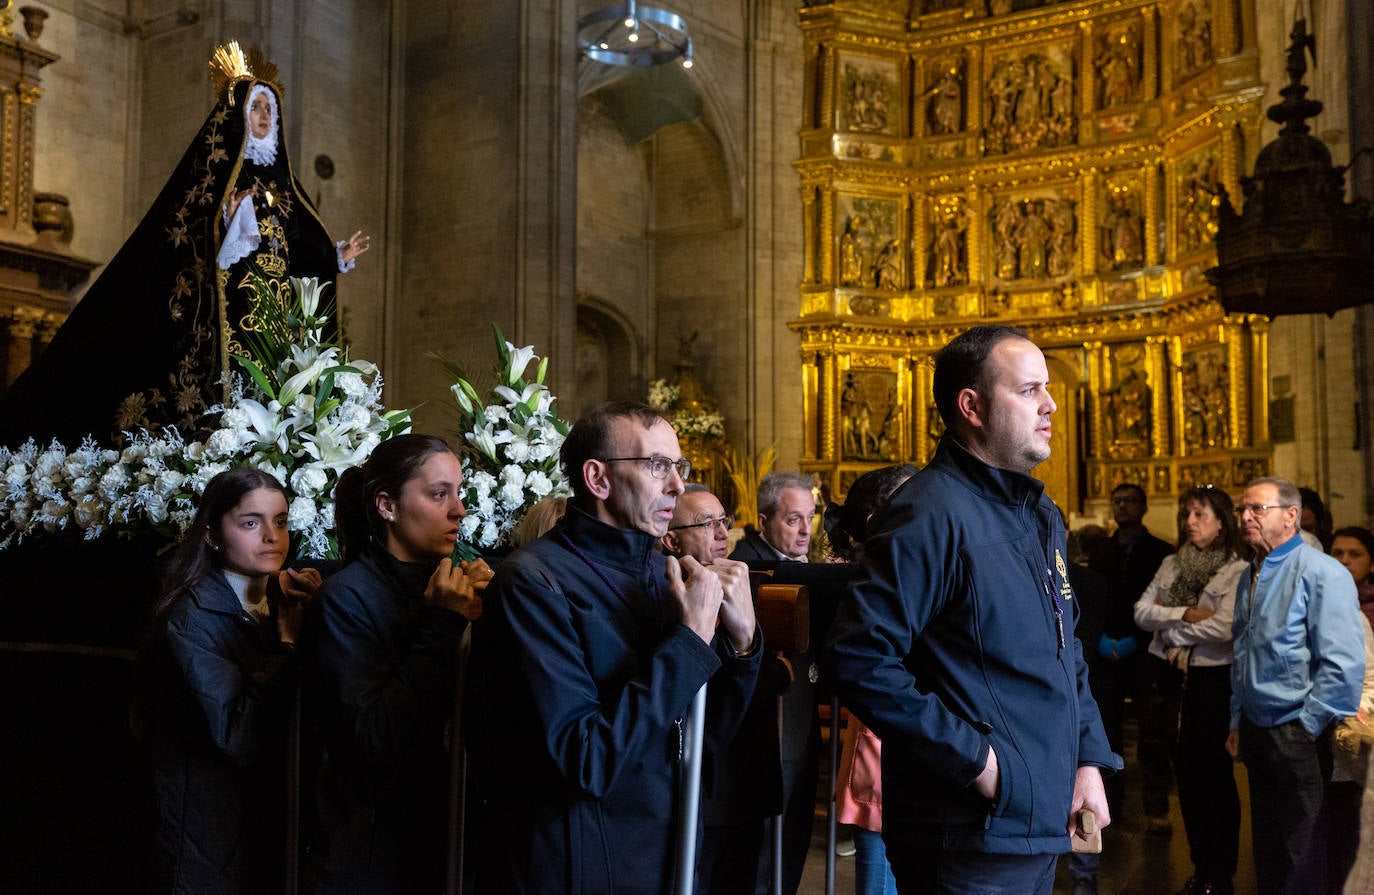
x=219, y=673
x=1189, y=605
x=385, y=667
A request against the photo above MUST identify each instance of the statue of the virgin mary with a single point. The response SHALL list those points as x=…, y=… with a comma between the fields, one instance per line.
x=150, y=343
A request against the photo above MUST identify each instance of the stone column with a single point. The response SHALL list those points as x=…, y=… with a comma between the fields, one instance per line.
x=489, y=180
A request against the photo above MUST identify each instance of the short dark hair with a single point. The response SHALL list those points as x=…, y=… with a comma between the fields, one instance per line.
x=590, y=439
x=959, y=365
x=392, y=463
x=1131, y=486
x=1359, y=533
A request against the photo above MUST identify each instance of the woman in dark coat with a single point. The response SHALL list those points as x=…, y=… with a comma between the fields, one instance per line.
x=219, y=673
x=385, y=667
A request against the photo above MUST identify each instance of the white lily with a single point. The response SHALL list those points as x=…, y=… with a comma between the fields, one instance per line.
x=511, y=397
x=519, y=359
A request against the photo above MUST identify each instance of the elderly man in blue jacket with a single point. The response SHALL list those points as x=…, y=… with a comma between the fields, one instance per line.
x=957, y=644
x=591, y=647
x=1298, y=670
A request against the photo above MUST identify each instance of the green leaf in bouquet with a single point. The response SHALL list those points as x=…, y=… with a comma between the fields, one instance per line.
x=324, y=408
x=259, y=377
x=463, y=552
x=543, y=369
x=502, y=352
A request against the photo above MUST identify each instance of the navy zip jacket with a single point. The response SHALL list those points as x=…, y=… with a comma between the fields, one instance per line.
x=217, y=686
x=581, y=674
x=951, y=641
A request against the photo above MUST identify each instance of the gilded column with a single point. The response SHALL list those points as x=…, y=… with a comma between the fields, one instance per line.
x=1157, y=371
x=1152, y=213
x=828, y=122
x=1227, y=40
x=22, y=325
x=1176, y=389
x=1093, y=351
x=829, y=406
x=1230, y=165
x=920, y=239
x=1259, y=373
x=973, y=123
x=1087, y=76
x=1149, y=76
x=1087, y=219
x=827, y=237
x=28, y=105
x=1238, y=384
x=975, y=220
x=811, y=379
x=9, y=126
x=811, y=238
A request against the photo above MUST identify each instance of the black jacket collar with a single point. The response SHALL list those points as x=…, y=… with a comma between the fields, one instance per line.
x=627, y=549
x=410, y=578
x=989, y=482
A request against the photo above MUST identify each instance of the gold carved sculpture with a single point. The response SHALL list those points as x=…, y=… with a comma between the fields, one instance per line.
x=1059, y=170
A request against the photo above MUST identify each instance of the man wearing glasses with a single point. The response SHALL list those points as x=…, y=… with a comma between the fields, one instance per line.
x=741, y=779
x=592, y=647
x=1299, y=667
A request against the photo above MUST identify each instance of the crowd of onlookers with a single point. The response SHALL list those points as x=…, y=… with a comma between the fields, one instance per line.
x=1158, y=625
x=984, y=736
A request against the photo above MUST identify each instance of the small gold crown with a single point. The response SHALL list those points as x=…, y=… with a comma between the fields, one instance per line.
x=230, y=64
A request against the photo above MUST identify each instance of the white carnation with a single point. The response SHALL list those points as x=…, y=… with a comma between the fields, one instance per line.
x=301, y=513
x=538, y=483
x=113, y=483
x=168, y=481
x=17, y=475
x=309, y=481
x=352, y=385
x=512, y=496
x=489, y=534
x=155, y=507
x=222, y=443
x=325, y=520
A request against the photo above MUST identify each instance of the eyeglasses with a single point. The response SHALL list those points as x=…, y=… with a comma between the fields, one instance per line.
x=726, y=523
x=658, y=466
x=1122, y=501
x=1258, y=509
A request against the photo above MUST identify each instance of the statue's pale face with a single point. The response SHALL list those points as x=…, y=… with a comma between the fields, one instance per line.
x=260, y=116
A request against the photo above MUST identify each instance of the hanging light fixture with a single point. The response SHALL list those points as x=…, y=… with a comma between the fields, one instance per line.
x=632, y=35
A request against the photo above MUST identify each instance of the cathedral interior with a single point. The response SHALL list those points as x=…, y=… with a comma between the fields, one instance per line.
x=798, y=220
x=793, y=225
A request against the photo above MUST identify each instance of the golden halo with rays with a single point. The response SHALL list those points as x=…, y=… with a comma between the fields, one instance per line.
x=230, y=64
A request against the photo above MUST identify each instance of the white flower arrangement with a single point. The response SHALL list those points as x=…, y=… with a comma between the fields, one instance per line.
x=511, y=444
x=307, y=414
x=664, y=397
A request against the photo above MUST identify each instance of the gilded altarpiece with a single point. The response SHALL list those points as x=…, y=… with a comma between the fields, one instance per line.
x=1055, y=166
